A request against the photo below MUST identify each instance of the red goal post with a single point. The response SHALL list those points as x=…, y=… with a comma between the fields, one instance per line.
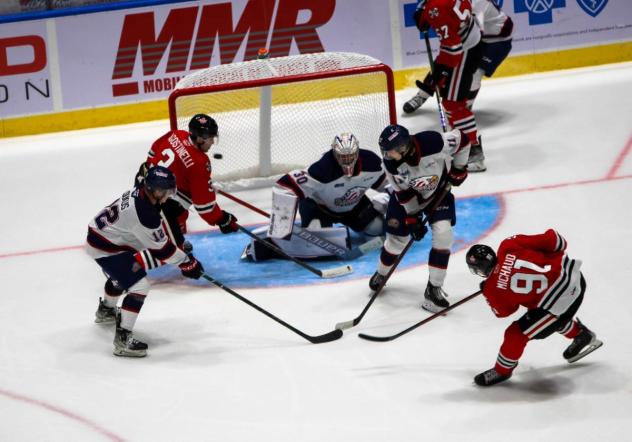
x=278, y=114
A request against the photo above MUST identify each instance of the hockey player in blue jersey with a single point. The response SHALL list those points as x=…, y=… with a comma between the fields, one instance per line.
x=333, y=190
x=126, y=239
x=418, y=167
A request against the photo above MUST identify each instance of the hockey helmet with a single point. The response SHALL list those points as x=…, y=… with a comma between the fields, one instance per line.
x=394, y=138
x=481, y=260
x=346, y=150
x=203, y=126
x=160, y=179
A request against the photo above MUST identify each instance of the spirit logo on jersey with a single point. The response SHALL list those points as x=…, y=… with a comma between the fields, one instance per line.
x=425, y=183
x=351, y=197
x=592, y=7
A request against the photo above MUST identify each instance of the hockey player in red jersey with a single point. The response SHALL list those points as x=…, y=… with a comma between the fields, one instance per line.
x=532, y=271
x=458, y=59
x=497, y=28
x=185, y=154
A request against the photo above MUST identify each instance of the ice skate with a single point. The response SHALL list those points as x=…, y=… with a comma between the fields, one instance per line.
x=584, y=343
x=434, y=299
x=490, y=377
x=104, y=314
x=376, y=281
x=414, y=103
x=476, y=160
x=125, y=344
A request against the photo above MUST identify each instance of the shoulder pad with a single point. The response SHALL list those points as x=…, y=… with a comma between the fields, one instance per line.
x=148, y=214
x=326, y=169
x=430, y=142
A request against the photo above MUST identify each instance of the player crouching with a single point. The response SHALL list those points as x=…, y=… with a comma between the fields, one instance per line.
x=333, y=190
x=127, y=239
x=532, y=271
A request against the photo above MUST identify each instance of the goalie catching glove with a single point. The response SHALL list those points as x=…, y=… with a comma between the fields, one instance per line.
x=192, y=268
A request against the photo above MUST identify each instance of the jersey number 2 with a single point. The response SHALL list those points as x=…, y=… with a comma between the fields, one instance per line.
x=523, y=283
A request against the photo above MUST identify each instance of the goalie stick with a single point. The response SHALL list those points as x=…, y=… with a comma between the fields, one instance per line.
x=352, y=323
x=420, y=323
x=326, y=273
x=339, y=252
x=327, y=337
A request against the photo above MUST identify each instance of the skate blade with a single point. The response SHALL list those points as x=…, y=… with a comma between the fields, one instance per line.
x=591, y=347
x=104, y=320
x=129, y=353
x=431, y=307
x=476, y=166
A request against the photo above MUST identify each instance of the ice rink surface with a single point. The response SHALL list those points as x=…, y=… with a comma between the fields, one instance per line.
x=559, y=155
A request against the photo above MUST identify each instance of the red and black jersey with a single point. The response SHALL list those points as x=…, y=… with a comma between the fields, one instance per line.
x=192, y=169
x=455, y=26
x=532, y=271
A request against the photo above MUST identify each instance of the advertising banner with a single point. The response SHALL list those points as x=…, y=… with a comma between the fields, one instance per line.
x=25, y=81
x=539, y=26
x=138, y=55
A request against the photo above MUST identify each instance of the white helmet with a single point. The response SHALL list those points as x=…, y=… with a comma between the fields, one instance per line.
x=346, y=150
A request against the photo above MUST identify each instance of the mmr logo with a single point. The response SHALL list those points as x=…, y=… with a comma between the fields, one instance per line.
x=540, y=11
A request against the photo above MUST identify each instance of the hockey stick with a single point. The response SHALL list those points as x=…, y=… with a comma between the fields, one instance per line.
x=352, y=323
x=327, y=273
x=442, y=116
x=420, y=323
x=327, y=337
x=339, y=252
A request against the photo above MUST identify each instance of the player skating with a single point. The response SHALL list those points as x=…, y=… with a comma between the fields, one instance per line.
x=127, y=239
x=458, y=59
x=418, y=167
x=496, y=39
x=185, y=154
x=333, y=190
x=532, y=271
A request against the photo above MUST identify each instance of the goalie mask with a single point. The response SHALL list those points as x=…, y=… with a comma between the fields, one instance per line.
x=481, y=260
x=346, y=150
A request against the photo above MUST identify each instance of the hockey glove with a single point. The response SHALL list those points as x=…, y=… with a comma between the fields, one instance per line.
x=228, y=223
x=416, y=229
x=441, y=74
x=192, y=268
x=422, y=25
x=456, y=176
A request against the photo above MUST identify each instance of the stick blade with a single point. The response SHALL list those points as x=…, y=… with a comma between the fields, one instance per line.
x=336, y=271
x=374, y=338
x=327, y=337
x=346, y=324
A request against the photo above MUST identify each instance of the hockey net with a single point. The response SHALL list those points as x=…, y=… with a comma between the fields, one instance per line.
x=279, y=114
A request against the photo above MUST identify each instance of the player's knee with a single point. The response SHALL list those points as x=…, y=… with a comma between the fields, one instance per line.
x=141, y=287
x=394, y=244
x=442, y=235
x=111, y=289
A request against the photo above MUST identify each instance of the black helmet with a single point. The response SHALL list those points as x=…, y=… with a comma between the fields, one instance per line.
x=394, y=137
x=481, y=260
x=160, y=178
x=201, y=125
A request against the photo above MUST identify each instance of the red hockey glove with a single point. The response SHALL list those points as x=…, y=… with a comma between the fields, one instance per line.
x=456, y=176
x=416, y=229
x=422, y=25
x=192, y=268
x=228, y=223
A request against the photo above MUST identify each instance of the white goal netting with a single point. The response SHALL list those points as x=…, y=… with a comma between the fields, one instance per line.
x=279, y=114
